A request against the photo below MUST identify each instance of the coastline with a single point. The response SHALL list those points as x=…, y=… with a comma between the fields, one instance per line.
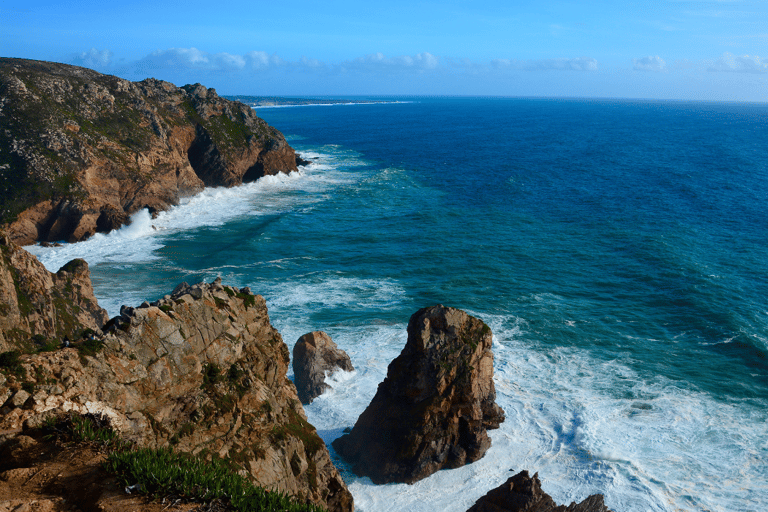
x=572, y=361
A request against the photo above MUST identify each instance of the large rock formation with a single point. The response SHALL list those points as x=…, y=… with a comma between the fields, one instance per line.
x=316, y=356
x=202, y=370
x=521, y=493
x=433, y=408
x=80, y=151
x=38, y=308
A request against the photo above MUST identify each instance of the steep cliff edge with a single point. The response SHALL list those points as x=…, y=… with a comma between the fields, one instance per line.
x=80, y=151
x=38, y=308
x=201, y=370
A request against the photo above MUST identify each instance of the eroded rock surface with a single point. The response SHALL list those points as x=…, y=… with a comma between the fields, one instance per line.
x=202, y=370
x=81, y=151
x=315, y=356
x=435, y=405
x=521, y=493
x=38, y=307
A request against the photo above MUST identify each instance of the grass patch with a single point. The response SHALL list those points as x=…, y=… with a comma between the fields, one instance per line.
x=163, y=472
x=298, y=427
x=92, y=429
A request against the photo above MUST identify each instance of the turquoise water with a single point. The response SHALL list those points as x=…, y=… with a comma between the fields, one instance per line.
x=617, y=249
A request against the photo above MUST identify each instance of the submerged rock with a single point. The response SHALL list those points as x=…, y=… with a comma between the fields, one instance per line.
x=315, y=356
x=521, y=493
x=435, y=405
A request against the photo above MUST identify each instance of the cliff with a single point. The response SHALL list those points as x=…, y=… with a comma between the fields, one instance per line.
x=40, y=309
x=81, y=151
x=201, y=370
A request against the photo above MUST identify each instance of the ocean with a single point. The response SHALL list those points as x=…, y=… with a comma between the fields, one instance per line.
x=618, y=250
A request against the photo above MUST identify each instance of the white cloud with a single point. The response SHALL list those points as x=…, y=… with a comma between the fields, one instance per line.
x=743, y=64
x=259, y=60
x=310, y=63
x=93, y=58
x=192, y=58
x=650, y=63
x=378, y=61
x=576, y=64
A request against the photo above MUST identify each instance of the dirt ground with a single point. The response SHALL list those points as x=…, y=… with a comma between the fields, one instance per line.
x=47, y=476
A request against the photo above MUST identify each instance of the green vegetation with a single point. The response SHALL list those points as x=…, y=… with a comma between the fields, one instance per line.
x=211, y=375
x=299, y=427
x=10, y=362
x=163, y=472
x=92, y=429
x=248, y=300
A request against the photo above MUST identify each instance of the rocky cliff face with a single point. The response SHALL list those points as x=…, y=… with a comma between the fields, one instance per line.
x=80, y=151
x=202, y=370
x=435, y=405
x=38, y=308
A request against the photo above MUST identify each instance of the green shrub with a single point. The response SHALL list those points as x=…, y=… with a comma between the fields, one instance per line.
x=163, y=472
x=10, y=362
x=94, y=429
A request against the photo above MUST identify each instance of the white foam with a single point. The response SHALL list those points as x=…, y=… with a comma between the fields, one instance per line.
x=137, y=241
x=586, y=426
x=338, y=104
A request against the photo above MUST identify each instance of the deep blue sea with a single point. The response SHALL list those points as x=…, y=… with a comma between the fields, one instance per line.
x=617, y=249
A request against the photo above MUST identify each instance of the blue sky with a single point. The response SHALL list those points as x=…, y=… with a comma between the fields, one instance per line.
x=669, y=49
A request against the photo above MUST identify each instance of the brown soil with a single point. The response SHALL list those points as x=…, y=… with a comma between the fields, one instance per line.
x=40, y=476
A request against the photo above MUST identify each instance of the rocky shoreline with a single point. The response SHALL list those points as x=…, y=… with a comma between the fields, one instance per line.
x=81, y=151
x=201, y=370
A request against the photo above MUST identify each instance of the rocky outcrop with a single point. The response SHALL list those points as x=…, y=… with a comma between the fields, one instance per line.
x=39, y=309
x=433, y=408
x=80, y=151
x=521, y=493
x=315, y=356
x=202, y=370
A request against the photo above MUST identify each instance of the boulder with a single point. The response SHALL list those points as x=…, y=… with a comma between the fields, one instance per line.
x=521, y=493
x=316, y=356
x=435, y=405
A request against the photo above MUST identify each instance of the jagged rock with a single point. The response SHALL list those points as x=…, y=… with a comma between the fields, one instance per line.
x=38, y=306
x=433, y=408
x=81, y=151
x=315, y=356
x=202, y=370
x=521, y=493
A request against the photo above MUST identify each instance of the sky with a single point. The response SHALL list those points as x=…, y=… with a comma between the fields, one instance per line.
x=713, y=50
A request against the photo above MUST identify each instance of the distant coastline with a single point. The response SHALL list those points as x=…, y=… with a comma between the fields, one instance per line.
x=282, y=101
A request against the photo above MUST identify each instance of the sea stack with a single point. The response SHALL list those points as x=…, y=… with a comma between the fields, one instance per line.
x=433, y=409
x=315, y=356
